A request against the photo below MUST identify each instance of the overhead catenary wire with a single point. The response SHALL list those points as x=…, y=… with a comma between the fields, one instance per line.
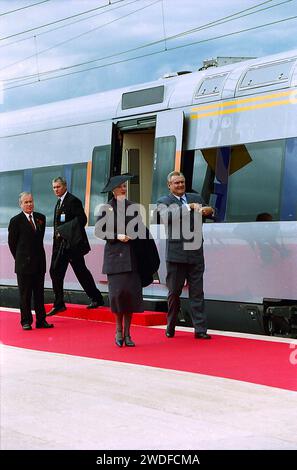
x=242, y=14
x=234, y=16
x=60, y=20
x=79, y=20
x=163, y=23
x=133, y=1
x=81, y=34
x=23, y=8
x=156, y=52
x=36, y=56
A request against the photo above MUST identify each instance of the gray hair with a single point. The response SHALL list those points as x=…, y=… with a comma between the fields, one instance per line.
x=21, y=195
x=60, y=179
x=174, y=173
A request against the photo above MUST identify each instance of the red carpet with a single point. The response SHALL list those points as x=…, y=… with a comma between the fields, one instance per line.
x=255, y=361
x=146, y=318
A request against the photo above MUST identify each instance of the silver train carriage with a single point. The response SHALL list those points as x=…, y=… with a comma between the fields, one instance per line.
x=232, y=130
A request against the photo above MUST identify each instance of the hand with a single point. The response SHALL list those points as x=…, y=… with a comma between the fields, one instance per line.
x=207, y=211
x=195, y=206
x=123, y=238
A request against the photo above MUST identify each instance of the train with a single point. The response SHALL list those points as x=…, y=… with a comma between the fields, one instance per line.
x=232, y=131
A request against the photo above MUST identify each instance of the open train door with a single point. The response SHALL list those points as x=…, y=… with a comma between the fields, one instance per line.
x=167, y=149
x=167, y=157
x=99, y=168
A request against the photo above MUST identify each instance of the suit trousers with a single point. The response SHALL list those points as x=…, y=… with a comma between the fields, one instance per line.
x=58, y=270
x=177, y=274
x=29, y=284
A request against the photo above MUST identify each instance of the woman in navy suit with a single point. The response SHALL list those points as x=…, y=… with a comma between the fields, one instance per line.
x=129, y=261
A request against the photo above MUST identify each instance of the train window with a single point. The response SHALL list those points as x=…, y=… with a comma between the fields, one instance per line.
x=133, y=161
x=11, y=185
x=41, y=188
x=289, y=193
x=200, y=180
x=135, y=99
x=78, y=180
x=211, y=86
x=265, y=75
x=256, y=187
x=100, y=173
x=241, y=181
x=164, y=159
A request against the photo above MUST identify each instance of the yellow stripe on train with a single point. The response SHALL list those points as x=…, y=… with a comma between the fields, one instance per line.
x=292, y=100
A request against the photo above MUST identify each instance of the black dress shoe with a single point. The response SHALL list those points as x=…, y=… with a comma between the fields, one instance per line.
x=44, y=324
x=27, y=327
x=119, y=342
x=169, y=334
x=96, y=304
x=202, y=336
x=129, y=342
x=55, y=310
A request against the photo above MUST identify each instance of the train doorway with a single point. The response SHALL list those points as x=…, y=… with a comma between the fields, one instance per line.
x=134, y=153
x=149, y=148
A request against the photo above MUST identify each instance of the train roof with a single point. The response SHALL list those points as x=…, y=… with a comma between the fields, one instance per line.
x=213, y=84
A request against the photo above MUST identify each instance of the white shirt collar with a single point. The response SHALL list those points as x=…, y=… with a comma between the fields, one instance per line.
x=179, y=197
x=27, y=215
x=63, y=197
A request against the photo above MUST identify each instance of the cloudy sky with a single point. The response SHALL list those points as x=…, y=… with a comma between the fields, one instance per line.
x=57, y=49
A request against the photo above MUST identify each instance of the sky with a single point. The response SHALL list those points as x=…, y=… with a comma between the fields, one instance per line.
x=53, y=50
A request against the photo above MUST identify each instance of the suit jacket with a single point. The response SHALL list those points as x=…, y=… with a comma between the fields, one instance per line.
x=26, y=245
x=173, y=214
x=120, y=257
x=72, y=208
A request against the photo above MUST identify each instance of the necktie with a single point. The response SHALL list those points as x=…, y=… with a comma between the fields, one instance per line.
x=31, y=222
x=58, y=205
x=183, y=200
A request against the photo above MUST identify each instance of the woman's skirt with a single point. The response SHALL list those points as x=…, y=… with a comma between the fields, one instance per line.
x=125, y=292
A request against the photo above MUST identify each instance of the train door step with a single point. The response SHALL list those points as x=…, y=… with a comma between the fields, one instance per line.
x=104, y=314
x=155, y=304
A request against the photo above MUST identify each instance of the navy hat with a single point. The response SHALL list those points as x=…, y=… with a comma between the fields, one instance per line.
x=115, y=181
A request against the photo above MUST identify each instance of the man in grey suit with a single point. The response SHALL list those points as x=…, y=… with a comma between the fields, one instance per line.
x=182, y=215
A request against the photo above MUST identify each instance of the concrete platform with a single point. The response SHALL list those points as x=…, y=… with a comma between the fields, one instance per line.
x=54, y=401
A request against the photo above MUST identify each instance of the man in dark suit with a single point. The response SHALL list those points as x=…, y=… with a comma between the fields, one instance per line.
x=69, y=210
x=182, y=215
x=25, y=240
